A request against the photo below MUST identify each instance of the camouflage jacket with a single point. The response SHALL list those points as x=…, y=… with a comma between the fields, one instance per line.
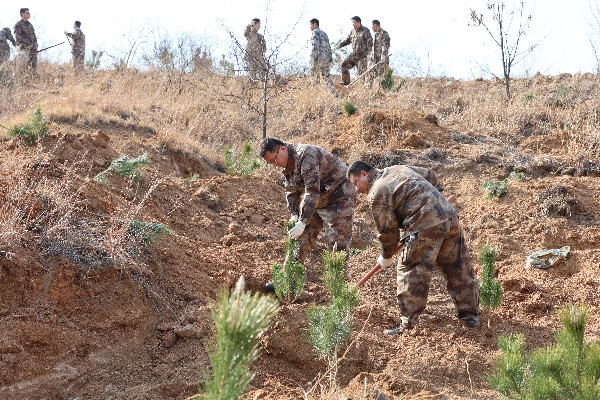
x=313, y=179
x=401, y=198
x=361, y=40
x=321, y=49
x=25, y=35
x=5, y=37
x=78, y=45
x=257, y=46
x=381, y=45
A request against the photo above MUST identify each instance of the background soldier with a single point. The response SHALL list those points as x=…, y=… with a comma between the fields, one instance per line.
x=318, y=194
x=320, y=56
x=255, y=51
x=5, y=37
x=381, y=48
x=26, y=40
x=406, y=198
x=77, y=46
x=362, y=42
x=201, y=62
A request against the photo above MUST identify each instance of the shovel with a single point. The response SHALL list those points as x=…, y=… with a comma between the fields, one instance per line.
x=376, y=268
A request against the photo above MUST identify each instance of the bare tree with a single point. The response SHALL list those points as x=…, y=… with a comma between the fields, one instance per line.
x=503, y=32
x=594, y=22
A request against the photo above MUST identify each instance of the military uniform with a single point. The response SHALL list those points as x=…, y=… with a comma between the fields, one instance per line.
x=321, y=57
x=77, y=49
x=403, y=199
x=27, y=42
x=255, y=54
x=362, y=42
x=5, y=37
x=318, y=192
x=381, y=47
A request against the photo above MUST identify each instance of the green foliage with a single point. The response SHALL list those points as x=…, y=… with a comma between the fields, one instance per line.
x=227, y=66
x=516, y=176
x=569, y=369
x=490, y=290
x=125, y=167
x=562, y=92
x=289, y=279
x=192, y=176
x=94, y=63
x=244, y=165
x=493, y=188
x=30, y=132
x=148, y=231
x=527, y=98
x=330, y=325
x=240, y=320
x=387, y=82
x=348, y=108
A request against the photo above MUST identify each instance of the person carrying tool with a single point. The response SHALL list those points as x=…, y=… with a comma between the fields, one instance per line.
x=409, y=198
x=362, y=42
x=318, y=194
x=26, y=40
x=77, y=47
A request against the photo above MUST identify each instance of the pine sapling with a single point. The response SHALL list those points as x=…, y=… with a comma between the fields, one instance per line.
x=348, y=108
x=387, y=82
x=490, y=289
x=289, y=279
x=246, y=162
x=125, y=167
x=32, y=131
x=147, y=231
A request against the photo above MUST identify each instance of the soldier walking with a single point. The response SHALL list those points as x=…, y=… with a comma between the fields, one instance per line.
x=255, y=51
x=362, y=42
x=77, y=47
x=318, y=194
x=381, y=48
x=5, y=37
x=320, y=56
x=406, y=198
x=26, y=40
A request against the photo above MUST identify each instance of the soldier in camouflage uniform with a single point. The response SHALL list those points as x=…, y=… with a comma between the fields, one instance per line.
x=320, y=56
x=381, y=47
x=362, y=42
x=26, y=39
x=77, y=46
x=255, y=51
x=407, y=198
x=318, y=194
x=5, y=37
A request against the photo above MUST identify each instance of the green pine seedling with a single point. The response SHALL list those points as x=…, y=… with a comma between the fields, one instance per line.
x=490, y=289
x=124, y=167
x=494, y=188
x=31, y=131
x=348, y=108
x=245, y=164
x=289, y=279
x=387, y=82
x=148, y=232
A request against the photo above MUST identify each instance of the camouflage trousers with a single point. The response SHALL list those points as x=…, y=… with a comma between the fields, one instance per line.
x=4, y=52
x=350, y=62
x=336, y=218
x=77, y=59
x=26, y=61
x=441, y=246
x=257, y=67
x=319, y=72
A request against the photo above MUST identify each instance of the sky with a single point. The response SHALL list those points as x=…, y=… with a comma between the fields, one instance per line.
x=428, y=37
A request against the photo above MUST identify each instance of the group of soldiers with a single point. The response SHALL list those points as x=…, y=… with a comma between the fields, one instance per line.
x=367, y=51
x=408, y=209
x=26, y=45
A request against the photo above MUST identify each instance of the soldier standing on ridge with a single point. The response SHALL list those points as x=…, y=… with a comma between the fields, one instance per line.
x=318, y=194
x=26, y=40
x=5, y=37
x=362, y=42
x=255, y=51
x=381, y=48
x=406, y=198
x=77, y=47
x=320, y=56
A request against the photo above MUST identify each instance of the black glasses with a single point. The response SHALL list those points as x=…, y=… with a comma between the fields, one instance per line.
x=272, y=161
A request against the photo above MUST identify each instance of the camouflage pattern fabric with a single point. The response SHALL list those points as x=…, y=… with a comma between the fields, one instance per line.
x=381, y=47
x=27, y=42
x=5, y=37
x=321, y=57
x=255, y=54
x=77, y=48
x=318, y=191
x=362, y=42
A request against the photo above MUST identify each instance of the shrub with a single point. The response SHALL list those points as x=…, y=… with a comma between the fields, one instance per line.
x=94, y=62
x=240, y=320
x=125, y=167
x=30, y=132
x=387, y=82
x=493, y=188
x=245, y=164
x=147, y=231
x=348, y=108
x=490, y=289
x=288, y=280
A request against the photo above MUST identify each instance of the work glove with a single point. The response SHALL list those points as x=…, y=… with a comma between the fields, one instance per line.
x=294, y=218
x=297, y=230
x=66, y=32
x=384, y=262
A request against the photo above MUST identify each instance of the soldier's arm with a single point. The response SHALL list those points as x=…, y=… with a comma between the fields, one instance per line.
x=386, y=44
x=369, y=41
x=315, y=42
x=292, y=198
x=18, y=34
x=344, y=42
x=311, y=175
x=428, y=174
x=12, y=39
x=386, y=222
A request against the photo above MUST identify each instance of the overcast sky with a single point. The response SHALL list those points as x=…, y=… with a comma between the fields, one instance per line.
x=434, y=36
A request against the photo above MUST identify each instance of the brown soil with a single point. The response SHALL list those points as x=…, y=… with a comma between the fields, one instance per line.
x=139, y=331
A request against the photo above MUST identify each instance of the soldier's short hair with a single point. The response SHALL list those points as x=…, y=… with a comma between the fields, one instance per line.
x=255, y=20
x=78, y=24
x=269, y=144
x=23, y=10
x=376, y=22
x=314, y=21
x=356, y=167
x=357, y=19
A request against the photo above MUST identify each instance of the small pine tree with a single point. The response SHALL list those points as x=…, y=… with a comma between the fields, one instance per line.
x=387, y=82
x=494, y=188
x=147, y=231
x=125, y=167
x=31, y=131
x=570, y=369
x=289, y=279
x=348, y=108
x=240, y=320
x=490, y=289
x=245, y=164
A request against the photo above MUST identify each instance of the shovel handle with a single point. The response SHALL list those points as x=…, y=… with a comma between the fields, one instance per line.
x=375, y=269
